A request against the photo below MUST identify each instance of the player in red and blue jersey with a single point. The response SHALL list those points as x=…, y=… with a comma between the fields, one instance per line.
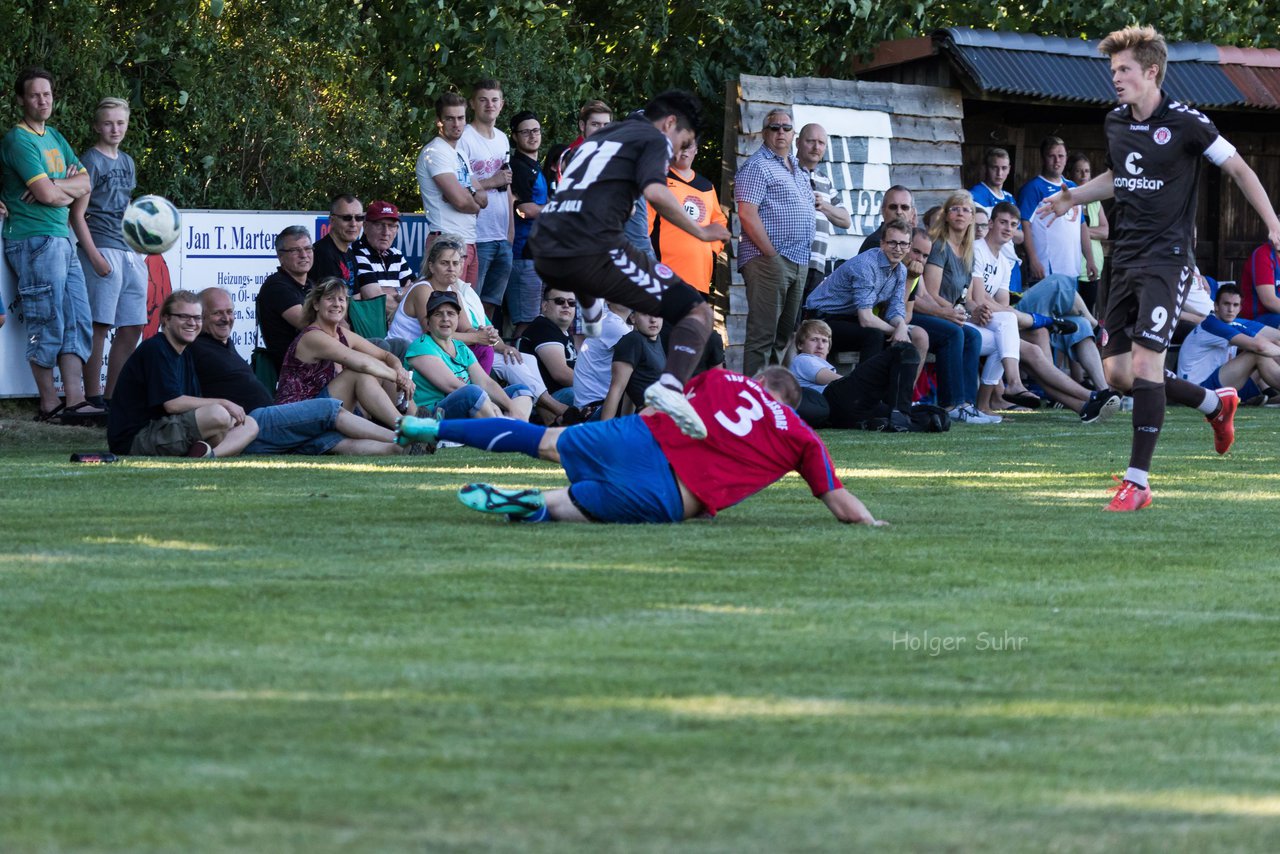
x=642, y=468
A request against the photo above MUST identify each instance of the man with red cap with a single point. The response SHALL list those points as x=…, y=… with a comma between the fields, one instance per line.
x=381, y=268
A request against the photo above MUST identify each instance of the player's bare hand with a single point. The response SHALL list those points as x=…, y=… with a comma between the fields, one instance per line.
x=1059, y=204
x=1274, y=237
x=715, y=231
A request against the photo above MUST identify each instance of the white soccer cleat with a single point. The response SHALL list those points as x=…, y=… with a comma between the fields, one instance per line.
x=593, y=328
x=593, y=319
x=675, y=404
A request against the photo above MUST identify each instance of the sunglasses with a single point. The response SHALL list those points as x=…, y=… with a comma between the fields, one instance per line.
x=563, y=301
x=779, y=128
x=348, y=217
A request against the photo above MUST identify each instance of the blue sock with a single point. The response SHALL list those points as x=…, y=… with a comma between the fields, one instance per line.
x=500, y=435
x=1040, y=321
x=539, y=515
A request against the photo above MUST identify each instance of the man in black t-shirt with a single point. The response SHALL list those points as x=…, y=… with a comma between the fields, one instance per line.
x=318, y=426
x=547, y=338
x=637, y=363
x=159, y=409
x=579, y=245
x=1154, y=146
x=335, y=253
x=279, y=303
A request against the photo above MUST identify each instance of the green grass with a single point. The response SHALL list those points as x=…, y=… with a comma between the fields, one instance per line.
x=329, y=655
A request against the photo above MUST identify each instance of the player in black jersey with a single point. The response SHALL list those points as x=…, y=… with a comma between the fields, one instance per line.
x=578, y=242
x=1154, y=146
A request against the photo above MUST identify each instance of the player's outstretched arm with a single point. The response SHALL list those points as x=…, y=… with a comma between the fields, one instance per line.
x=1059, y=204
x=846, y=507
x=669, y=208
x=1247, y=180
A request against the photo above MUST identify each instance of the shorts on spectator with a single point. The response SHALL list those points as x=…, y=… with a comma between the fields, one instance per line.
x=462, y=403
x=1213, y=382
x=304, y=427
x=618, y=473
x=54, y=306
x=120, y=297
x=170, y=436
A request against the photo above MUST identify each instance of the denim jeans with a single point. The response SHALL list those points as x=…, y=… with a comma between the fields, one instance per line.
x=524, y=292
x=54, y=302
x=304, y=427
x=956, y=350
x=493, y=270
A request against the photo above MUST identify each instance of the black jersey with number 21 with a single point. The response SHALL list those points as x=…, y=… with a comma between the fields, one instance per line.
x=598, y=189
x=1155, y=167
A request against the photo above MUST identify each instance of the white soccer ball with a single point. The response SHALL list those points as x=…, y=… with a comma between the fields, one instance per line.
x=151, y=224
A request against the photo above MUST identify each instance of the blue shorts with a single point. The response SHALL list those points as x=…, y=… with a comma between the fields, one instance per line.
x=617, y=472
x=304, y=427
x=1248, y=390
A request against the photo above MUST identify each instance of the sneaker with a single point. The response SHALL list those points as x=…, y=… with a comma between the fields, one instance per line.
x=487, y=498
x=1129, y=497
x=674, y=403
x=1224, y=422
x=410, y=429
x=200, y=450
x=970, y=414
x=1062, y=326
x=1100, y=406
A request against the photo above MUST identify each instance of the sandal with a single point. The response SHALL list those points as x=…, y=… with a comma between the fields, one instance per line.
x=1023, y=398
x=75, y=415
x=51, y=415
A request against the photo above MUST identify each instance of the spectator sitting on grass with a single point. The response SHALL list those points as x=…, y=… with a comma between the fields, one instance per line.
x=158, y=409
x=593, y=372
x=443, y=268
x=1206, y=354
x=326, y=360
x=877, y=387
x=549, y=341
x=637, y=363
x=318, y=426
x=448, y=381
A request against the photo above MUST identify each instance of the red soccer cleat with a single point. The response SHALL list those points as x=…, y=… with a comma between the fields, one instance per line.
x=1224, y=423
x=1129, y=497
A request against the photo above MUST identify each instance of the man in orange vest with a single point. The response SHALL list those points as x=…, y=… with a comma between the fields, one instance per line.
x=692, y=259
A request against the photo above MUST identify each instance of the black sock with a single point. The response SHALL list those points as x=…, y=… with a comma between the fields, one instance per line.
x=1148, y=418
x=1183, y=392
x=685, y=348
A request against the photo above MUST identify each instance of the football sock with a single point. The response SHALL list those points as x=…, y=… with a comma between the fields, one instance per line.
x=1148, y=418
x=1137, y=476
x=591, y=311
x=1189, y=394
x=1040, y=321
x=539, y=515
x=688, y=339
x=500, y=435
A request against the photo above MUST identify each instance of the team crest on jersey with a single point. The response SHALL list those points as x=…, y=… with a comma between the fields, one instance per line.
x=1162, y=135
x=664, y=271
x=695, y=208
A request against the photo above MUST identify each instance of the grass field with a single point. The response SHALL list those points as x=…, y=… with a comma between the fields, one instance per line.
x=326, y=655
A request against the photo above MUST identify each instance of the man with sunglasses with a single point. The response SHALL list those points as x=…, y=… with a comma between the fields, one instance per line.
x=548, y=338
x=335, y=254
x=776, y=209
x=158, y=409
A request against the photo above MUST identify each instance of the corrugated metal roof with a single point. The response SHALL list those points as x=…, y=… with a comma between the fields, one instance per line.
x=1073, y=70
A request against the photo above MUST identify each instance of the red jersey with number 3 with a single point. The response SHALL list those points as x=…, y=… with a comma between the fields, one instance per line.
x=752, y=441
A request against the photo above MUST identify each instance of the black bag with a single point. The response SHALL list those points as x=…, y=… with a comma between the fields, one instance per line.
x=927, y=418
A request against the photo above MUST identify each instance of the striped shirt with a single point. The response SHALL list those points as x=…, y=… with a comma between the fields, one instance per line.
x=388, y=271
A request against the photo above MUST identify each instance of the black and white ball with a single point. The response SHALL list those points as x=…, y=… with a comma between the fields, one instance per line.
x=151, y=224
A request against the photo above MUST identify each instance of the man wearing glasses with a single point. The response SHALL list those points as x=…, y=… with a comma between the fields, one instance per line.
x=549, y=341
x=847, y=299
x=157, y=409
x=529, y=194
x=776, y=209
x=279, y=304
x=335, y=255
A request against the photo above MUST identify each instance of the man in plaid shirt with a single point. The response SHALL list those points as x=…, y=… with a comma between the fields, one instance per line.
x=776, y=208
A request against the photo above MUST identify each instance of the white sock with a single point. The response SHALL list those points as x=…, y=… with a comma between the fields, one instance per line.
x=1137, y=476
x=592, y=313
x=670, y=381
x=1210, y=404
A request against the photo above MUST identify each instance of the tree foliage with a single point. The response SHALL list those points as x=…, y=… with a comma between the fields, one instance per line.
x=278, y=104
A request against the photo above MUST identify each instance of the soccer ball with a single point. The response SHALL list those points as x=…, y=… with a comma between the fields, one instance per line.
x=151, y=225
